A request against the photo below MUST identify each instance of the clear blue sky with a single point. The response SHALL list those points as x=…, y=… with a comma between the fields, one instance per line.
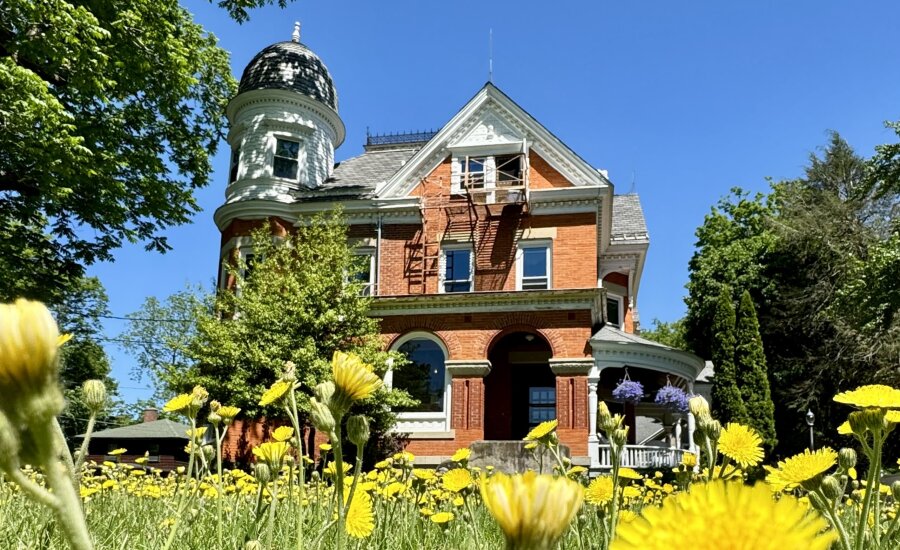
x=680, y=101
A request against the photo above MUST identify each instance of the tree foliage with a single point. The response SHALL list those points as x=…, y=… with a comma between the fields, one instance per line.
x=669, y=334
x=726, y=395
x=109, y=115
x=752, y=373
x=818, y=256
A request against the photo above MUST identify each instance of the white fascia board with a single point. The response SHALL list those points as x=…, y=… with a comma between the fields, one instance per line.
x=668, y=360
x=252, y=210
x=551, y=148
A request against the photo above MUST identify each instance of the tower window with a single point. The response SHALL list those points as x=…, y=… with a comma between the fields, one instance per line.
x=235, y=164
x=287, y=159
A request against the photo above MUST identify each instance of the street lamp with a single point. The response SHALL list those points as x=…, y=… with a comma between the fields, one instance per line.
x=810, y=421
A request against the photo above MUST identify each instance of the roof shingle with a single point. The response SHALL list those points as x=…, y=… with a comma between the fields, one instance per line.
x=628, y=219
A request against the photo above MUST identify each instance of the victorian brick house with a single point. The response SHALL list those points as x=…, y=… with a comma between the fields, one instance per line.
x=501, y=262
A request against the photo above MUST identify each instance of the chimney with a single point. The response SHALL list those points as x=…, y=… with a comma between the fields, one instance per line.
x=151, y=415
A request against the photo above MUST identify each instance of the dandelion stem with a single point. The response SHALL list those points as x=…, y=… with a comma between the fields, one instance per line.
x=874, y=461
x=219, y=490
x=295, y=420
x=82, y=451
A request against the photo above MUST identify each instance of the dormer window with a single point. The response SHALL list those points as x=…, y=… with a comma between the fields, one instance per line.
x=615, y=310
x=287, y=159
x=473, y=172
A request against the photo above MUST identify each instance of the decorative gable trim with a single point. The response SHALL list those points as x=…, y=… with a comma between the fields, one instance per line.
x=463, y=130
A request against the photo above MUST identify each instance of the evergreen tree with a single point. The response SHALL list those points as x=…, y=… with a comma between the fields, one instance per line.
x=752, y=373
x=728, y=406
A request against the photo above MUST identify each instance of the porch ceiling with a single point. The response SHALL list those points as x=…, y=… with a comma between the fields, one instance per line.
x=615, y=348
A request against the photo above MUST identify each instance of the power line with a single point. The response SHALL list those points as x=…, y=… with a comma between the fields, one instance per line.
x=147, y=319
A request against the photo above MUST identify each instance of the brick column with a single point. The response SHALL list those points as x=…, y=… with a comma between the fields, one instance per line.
x=467, y=407
x=572, y=402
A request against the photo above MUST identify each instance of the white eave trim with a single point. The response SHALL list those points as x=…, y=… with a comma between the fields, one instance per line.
x=403, y=210
x=275, y=95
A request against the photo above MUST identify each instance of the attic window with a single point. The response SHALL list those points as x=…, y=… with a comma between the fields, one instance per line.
x=473, y=172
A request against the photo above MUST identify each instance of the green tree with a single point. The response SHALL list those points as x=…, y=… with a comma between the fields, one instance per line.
x=668, y=334
x=109, y=115
x=728, y=405
x=752, y=374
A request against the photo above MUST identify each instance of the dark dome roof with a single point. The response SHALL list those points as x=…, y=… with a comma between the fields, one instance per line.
x=290, y=66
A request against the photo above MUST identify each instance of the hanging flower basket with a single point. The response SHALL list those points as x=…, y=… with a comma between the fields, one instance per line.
x=672, y=397
x=628, y=391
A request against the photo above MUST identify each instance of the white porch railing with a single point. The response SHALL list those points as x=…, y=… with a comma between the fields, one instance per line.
x=643, y=456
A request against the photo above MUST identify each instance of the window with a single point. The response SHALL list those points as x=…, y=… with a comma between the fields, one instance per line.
x=614, y=310
x=153, y=453
x=287, y=159
x=249, y=264
x=457, y=270
x=235, y=164
x=541, y=405
x=473, y=172
x=509, y=170
x=424, y=377
x=366, y=274
x=534, y=267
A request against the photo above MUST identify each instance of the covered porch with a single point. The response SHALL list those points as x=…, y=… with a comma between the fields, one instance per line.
x=658, y=436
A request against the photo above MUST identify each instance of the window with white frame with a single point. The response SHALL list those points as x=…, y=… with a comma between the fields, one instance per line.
x=424, y=376
x=615, y=310
x=286, y=163
x=472, y=171
x=456, y=268
x=366, y=273
x=533, y=266
x=235, y=164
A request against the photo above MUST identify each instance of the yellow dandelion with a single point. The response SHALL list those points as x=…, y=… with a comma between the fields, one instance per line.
x=196, y=433
x=360, y=521
x=325, y=447
x=272, y=453
x=275, y=392
x=283, y=433
x=353, y=379
x=725, y=516
x=531, y=446
x=844, y=428
x=741, y=444
x=117, y=452
x=873, y=396
x=63, y=338
x=227, y=412
x=456, y=480
x=631, y=492
x=179, y=404
x=600, y=491
x=532, y=510
x=688, y=460
x=542, y=431
x=331, y=468
x=801, y=468
x=461, y=454
x=394, y=489
x=575, y=471
x=442, y=517
x=423, y=474
x=627, y=516
x=628, y=473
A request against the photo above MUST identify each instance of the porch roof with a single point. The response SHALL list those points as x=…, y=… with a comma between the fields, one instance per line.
x=615, y=348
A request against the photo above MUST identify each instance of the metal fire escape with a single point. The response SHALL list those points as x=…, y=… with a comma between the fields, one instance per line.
x=486, y=209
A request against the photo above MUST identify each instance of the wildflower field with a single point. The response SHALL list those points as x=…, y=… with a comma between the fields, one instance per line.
x=52, y=499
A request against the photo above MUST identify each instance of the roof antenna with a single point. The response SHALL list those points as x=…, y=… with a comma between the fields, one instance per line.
x=491, y=55
x=633, y=182
x=295, y=36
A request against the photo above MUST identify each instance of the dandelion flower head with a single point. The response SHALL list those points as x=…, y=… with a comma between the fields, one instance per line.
x=456, y=480
x=872, y=396
x=741, y=444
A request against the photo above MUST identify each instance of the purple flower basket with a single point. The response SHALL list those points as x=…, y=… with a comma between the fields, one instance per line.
x=628, y=391
x=672, y=397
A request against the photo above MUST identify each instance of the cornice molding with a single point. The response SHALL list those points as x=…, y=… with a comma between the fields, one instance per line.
x=567, y=366
x=468, y=368
x=483, y=302
x=293, y=99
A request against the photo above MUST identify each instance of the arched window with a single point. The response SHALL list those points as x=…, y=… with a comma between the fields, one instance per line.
x=424, y=376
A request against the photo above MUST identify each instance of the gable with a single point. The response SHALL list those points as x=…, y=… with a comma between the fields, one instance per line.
x=491, y=123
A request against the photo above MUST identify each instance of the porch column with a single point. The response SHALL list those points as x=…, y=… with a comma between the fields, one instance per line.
x=467, y=393
x=692, y=426
x=572, y=397
x=678, y=438
x=593, y=438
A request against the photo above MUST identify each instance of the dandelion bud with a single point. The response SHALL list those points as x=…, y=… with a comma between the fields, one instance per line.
x=358, y=430
x=262, y=473
x=712, y=428
x=831, y=488
x=199, y=395
x=214, y=406
x=857, y=423
x=699, y=407
x=603, y=414
x=324, y=392
x=289, y=373
x=214, y=418
x=94, y=392
x=873, y=419
x=619, y=437
x=846, y=458
x=253, y=545
x=28, y=360
x=321, y=415
x=895, y=490
x=209, y=452
x=699, y=438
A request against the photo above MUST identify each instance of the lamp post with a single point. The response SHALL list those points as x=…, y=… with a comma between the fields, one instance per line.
x=810, y=421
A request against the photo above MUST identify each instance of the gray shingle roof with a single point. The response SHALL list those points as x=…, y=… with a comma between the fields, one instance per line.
x=628, y=219
x=609, y=333
x=158, y=429
x=369, y=169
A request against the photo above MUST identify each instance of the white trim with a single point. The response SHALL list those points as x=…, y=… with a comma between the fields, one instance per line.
x=442, y=264
x=621, y=300
x=413, y=422
x=302, y=155
x=520, y=257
